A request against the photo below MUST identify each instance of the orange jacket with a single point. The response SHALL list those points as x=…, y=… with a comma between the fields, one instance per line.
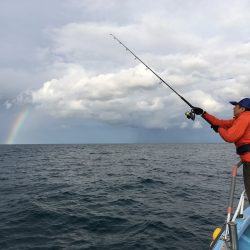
x=236, y=130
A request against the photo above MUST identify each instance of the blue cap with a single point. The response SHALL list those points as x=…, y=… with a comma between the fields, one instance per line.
x=245, y=103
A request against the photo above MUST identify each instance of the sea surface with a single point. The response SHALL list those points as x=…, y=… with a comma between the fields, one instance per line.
x=114, y=197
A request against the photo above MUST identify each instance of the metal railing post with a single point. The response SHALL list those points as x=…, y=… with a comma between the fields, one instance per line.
x=230, y=204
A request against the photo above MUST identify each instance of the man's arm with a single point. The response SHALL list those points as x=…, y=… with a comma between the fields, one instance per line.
x=235, y=132
x=217, y=122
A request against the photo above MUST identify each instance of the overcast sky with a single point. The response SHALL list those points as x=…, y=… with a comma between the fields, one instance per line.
x=75, y=84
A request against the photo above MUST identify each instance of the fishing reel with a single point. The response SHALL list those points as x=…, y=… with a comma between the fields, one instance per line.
x=190, y=115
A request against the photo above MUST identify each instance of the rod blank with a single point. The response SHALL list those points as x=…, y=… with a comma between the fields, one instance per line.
x=162, y=81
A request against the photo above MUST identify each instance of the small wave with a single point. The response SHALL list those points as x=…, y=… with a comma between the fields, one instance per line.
x=147, y=227
x=149, y=181
x=101, y=153
x=200, y=219
x=143, y=159
x=123, y=202
x=4, y=178
x=185, y=172
x=105, y=224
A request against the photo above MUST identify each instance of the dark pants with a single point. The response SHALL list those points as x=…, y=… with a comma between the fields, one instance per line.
x=246, y=175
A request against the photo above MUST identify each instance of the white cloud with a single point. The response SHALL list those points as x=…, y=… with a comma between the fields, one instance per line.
x=106, y=97
x=184, y=125
x=197, y=124
x=200, y=49
x=102, y=82
x=8, y=105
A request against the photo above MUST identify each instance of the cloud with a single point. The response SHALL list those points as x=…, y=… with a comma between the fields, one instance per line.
x=101, y=81
x=113, y=98
x=8, y=104
x=68, y=66
x=197, y=125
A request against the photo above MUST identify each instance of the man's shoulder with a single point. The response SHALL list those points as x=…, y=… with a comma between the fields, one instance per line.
x=245, y=115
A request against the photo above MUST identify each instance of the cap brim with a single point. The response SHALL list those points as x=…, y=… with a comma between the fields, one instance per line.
x=234, y=103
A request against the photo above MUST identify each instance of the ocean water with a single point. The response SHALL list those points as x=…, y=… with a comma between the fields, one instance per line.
x=124, y=197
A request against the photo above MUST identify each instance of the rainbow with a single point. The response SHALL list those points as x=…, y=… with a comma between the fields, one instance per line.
x=16, y=126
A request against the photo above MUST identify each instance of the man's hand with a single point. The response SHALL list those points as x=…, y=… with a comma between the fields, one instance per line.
x=215, y=128
x=198, y=111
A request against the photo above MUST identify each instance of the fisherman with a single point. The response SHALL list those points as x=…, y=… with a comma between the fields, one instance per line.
x=237, y=131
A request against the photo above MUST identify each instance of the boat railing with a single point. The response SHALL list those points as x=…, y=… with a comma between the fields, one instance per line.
x=228, y=233
x=231, y=199
x=239, y=210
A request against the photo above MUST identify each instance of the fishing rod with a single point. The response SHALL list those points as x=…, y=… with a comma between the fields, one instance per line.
x=189, y=115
